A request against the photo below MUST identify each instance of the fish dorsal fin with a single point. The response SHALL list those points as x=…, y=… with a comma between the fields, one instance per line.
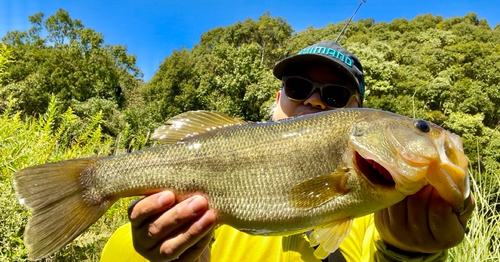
x=329, y=237
x=319, y=190
x=187, y=125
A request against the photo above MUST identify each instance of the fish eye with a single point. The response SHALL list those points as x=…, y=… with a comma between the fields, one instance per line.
x=422, y=126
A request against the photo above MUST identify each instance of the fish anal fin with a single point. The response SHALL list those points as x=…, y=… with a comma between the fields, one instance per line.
x=191, y=124
x=319, y=190
x=329, y=237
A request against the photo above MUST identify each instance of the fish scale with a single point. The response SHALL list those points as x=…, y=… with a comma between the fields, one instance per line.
x=205, y=169
x=269, y=178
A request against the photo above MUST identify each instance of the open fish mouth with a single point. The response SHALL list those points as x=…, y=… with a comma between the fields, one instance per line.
x=373, y=171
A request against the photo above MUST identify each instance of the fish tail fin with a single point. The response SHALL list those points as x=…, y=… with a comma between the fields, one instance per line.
x=55, y=195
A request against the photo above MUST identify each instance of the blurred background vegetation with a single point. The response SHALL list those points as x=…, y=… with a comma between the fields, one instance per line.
x=65, y=93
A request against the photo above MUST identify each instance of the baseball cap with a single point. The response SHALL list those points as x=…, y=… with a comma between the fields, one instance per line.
x=329, y=53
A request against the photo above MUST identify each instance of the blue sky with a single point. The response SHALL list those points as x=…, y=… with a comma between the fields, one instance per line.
x=153, y=29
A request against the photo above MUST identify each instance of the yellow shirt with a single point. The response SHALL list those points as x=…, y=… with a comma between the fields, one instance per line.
x=362, y=244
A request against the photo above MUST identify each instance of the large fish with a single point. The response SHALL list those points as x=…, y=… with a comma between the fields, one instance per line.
x=315, y=172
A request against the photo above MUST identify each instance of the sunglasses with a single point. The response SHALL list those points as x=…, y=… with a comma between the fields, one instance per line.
x=335, y=96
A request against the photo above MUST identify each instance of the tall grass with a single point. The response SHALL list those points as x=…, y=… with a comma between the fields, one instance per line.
x=52, y=137
x=56, y=136
x=482, y=241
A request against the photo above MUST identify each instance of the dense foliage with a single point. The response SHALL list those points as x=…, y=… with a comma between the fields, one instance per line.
x=52, y=137
x=444, y=70
x=60, y=56
x=228, y=71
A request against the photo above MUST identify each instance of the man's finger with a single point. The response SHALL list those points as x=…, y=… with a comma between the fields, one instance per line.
x=188, y=238
x=398, y=215
x=200, y=248
x=418, y=213
x=443, y=222
x=463, y=218
x=148, y=206
x=154, y=231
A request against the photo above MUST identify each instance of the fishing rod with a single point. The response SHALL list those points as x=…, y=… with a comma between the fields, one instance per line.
x=349, y=21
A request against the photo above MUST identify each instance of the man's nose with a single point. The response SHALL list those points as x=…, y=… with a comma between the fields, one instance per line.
x=315, y=101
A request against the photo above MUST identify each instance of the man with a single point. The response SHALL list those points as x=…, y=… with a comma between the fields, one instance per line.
x=323, y=76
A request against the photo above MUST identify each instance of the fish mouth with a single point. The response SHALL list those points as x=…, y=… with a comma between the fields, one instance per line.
x=373, y=171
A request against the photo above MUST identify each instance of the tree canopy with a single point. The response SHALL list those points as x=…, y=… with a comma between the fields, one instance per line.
x=59, y=56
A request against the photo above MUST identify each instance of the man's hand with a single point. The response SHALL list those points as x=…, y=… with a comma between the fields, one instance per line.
x=163, y=230
x=423, y=222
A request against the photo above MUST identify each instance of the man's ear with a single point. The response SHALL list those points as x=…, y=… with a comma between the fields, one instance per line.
x=278, y=96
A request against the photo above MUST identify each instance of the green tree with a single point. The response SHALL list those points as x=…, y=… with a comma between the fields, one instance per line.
x=60, y=56
x=172, y=90
x=5, y=59
x=229, y=70
x=235, y=81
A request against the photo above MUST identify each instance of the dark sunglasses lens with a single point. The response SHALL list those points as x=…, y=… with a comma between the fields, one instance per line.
x=336, y=96
x=297, y=88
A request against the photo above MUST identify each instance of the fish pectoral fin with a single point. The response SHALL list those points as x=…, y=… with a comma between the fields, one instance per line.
x=319, y=190
x=185, y=126
x=329, y=237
